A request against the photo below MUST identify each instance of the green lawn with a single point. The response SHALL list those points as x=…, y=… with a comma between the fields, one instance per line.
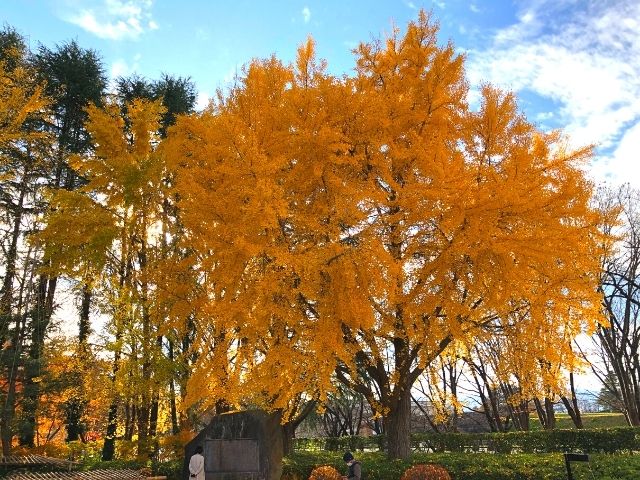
x=590, y=420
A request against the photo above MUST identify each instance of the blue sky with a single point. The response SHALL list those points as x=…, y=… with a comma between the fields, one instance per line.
x=573, y=63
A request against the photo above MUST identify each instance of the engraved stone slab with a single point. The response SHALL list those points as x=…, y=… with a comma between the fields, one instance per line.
x=230, y=456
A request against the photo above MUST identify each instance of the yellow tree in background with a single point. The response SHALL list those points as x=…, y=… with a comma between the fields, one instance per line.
x=354, y=228
x=108, y=234
x=24, y=164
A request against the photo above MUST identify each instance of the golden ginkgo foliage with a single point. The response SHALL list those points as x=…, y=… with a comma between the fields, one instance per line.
x=109, y=234
x=21, y=98
x=355, y=227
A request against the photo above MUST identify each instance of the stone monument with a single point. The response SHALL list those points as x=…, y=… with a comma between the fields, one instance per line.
x=240, y=446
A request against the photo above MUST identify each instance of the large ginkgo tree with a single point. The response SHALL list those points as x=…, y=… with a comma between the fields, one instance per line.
x=354, y=228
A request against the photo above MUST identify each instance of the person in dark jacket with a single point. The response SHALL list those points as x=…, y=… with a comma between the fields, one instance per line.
x=355, y=469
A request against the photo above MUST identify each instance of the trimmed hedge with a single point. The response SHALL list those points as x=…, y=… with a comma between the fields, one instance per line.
x=461, y=466
x=171, y=469
x=606, y=440
x=481, y=466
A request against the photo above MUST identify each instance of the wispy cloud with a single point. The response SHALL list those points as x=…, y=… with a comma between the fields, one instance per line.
x=306, y=14
x=113, y=19
x=583, y=60
x=122, y=68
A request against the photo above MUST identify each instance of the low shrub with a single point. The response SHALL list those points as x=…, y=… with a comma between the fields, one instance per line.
x=114, y=465
x=325, y=472
x=172, y=469
x=426, y=472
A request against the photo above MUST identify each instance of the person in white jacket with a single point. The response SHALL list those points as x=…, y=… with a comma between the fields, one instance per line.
x=196, y=465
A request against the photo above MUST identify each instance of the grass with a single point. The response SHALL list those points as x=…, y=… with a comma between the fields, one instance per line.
x=589, y=420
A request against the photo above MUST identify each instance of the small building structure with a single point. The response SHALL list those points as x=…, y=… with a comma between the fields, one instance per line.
x=246, y=445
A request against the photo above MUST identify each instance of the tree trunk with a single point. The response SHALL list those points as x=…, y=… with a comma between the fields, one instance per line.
x=33, y=365
x=360, y=415
x=8, y=409
x=289, y=428
x=131, y=415
x=397, y=426
x=495, y=409
x=486, y=408
x=542, y=414
x=143, y=412
x=74, y=411
x=109, y=446
x=453, y=385
x=288, y=432
x=144, y=408
x=12, y=353
x=551, y=414
x=75, y=407
x=6, y=292
x=84, y=324
x=153, y=415
x=155, y=399
x=523, y=415
x=175, y=428
x=490, y=400
x=6, y=430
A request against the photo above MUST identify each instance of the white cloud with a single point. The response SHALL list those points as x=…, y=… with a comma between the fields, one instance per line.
x=114, y=19
x=120, y=68
x=306, y=14
x=527, y=17
x=584, y=60
x=202, y=101
x=623, y=165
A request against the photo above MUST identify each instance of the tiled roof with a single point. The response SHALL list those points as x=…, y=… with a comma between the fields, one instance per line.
x=91, y=475
x=32, y=460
